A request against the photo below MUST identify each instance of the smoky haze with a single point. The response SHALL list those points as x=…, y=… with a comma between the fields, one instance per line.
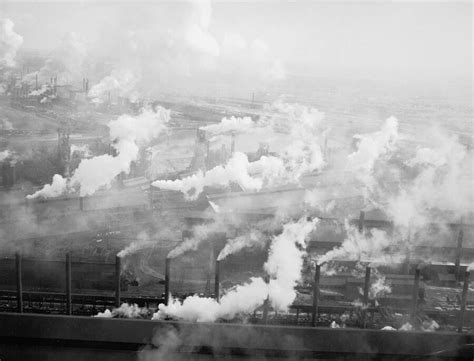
x=237, y=47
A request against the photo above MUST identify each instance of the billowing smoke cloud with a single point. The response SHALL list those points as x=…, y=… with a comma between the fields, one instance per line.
x=283, y=265
x=285, y=261
x=251, y=176
x=442, y=182
x=127, y=132
x=4, y=155
x=231, y=125
x=370, y=148
x=10, y=42
x=242, y=299
x=305, y=132
x=123, y=82
x=376, y=246
x=148, y=59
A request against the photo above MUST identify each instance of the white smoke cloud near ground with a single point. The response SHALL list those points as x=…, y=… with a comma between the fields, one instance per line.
x=285, y=261
x=284, y=267
x=305, y=130
x=124, y=311
x=10, y=42
x=127, y=132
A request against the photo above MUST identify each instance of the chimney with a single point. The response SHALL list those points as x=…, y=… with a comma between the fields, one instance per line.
x=167, y=279
x=217, y=280
x=266, y=304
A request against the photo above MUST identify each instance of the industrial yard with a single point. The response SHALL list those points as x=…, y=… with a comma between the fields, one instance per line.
x=167, y=197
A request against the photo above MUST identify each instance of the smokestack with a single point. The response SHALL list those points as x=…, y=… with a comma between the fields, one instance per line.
x=366, y=296
x=266, y=304
x=416, y=287
x=167, y=280
x=217, y=280
x=68, y=285
x=83, y=84
x=457, y=262
x=81, y=203
x=463, y=301
x=317, y=276
x=87, y=86
x=19, y=284
x=117, y=280
x=361, y=221
x=36, y=81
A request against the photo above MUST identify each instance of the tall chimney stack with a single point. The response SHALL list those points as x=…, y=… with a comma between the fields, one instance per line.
x=167, y=280
x=217, y=280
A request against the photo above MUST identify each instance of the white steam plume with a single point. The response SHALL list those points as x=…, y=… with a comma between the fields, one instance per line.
x=305, y=130
x=127, y=132
x=4, y=155
x=376, y=246
x=229, y=125
x=10, y=42
x=370, y=148
x=251, y=176
x=285, y=261
x=254, y=238
x=122, y=81
x=200, y=233
x=442, y=182
x=124, y=311
x=284, y=266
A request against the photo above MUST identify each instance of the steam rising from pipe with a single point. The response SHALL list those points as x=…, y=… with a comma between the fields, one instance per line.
x=284, y=266
x=127, y=132
x=254, y=238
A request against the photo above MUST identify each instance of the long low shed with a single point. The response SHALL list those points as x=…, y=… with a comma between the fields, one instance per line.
x=40, y=337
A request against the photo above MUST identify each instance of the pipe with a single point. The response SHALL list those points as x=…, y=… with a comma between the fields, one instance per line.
x=457, y=263
x=217, y=280
x=167, y=280
x=366, y=296
x=68, y=285
x=117, y=280
x=463, y=301
x=317, y=276
x=266, y=304
x=361, y=221
x=416, y=287
x=19, y=284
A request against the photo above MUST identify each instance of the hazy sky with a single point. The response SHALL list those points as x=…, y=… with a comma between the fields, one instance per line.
x=375, y=38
